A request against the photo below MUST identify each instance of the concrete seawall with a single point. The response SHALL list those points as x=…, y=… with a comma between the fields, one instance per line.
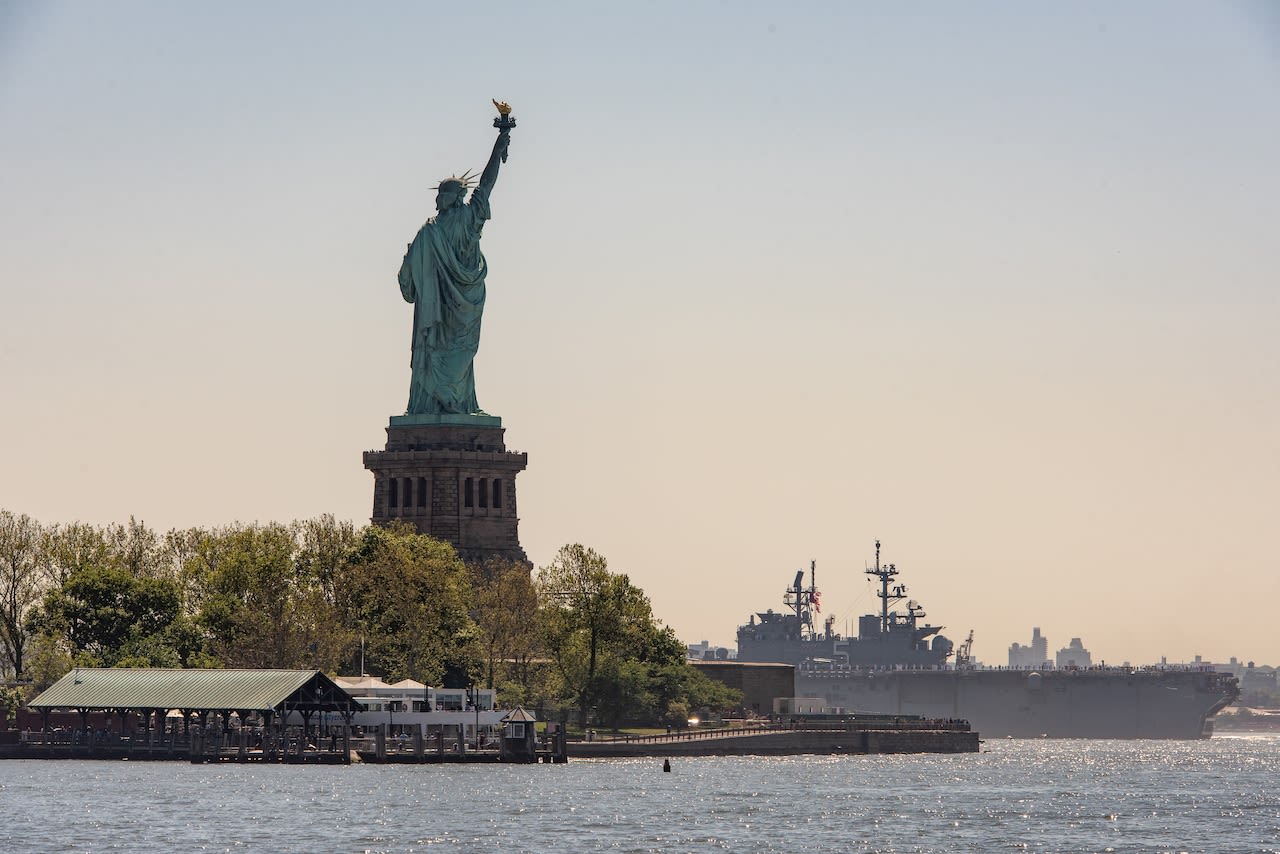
x=786, y=742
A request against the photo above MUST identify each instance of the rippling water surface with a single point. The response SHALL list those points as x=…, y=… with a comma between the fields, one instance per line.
x=1220, y=795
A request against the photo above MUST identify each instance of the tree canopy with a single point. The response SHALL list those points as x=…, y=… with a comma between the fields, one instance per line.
x=613, y=658
x=320, y=594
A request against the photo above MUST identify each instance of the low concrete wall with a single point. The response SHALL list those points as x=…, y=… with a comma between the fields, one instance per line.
x=786, y=742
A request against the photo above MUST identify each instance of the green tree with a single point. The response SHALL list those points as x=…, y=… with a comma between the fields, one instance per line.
x=408, y=596
x=621, y=691
x=21, y=585
x=575, y=618
x=49, y=660
x=676, y=714
x=680, y=688
x=11, y=699
x=505, y=607
x=73, y=558
x=591, y=616
x=257, y=605
x=324, y=548
x=138, y=550
x=68, y=548
x=110, y=613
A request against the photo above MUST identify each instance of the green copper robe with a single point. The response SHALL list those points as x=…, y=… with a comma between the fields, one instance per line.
x=443, y=276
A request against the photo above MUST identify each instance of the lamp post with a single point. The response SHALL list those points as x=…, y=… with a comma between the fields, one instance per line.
x=475, y=704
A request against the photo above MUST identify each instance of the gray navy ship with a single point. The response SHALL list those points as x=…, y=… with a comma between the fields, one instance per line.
x=900, y=665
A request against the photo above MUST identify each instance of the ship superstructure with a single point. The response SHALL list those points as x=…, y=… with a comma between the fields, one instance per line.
x=790, y=635
x=892, y=637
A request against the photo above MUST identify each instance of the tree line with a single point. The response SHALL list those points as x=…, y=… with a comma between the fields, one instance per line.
x=322, y=594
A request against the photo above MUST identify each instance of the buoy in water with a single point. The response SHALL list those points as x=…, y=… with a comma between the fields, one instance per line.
x=666, y=765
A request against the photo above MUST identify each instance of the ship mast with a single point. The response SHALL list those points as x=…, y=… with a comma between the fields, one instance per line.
x=885, y=573
x=804, y=602
x=915, y=611
x=813, y=595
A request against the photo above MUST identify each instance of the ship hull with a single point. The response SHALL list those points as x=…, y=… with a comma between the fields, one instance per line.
x=1018, y=704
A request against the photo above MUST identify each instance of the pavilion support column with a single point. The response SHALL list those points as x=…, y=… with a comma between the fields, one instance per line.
x=86, y=737
x=268, y=735
x=124, y=723
x=202, y=730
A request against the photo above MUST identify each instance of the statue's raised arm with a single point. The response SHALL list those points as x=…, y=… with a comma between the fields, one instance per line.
x=504, y=123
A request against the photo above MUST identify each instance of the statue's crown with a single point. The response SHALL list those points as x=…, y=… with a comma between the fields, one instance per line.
x=466, y=181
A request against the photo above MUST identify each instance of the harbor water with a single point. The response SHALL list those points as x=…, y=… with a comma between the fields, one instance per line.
x=1219, y=795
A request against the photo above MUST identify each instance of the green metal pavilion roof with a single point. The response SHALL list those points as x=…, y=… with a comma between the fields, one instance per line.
x=215, y=690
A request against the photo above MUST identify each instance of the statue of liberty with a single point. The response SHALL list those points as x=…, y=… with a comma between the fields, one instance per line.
x=443, y=275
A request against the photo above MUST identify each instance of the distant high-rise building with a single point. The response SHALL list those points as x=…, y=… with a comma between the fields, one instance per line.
x=1074, y=655
x=1034, y=655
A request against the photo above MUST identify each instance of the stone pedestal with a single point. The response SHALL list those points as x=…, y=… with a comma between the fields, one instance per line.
x=452, y=477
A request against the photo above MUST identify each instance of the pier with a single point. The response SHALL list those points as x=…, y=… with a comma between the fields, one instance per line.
x=290, y=746
x=286, y=716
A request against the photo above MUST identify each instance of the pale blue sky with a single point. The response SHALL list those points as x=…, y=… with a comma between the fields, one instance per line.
x=993, y=282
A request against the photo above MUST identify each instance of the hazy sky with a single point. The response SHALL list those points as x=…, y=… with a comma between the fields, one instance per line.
x=993, y=282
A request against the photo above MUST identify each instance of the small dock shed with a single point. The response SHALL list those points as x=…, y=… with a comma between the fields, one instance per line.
x=220, y=703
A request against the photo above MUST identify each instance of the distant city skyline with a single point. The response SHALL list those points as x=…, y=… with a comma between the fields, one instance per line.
x=993, y=283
